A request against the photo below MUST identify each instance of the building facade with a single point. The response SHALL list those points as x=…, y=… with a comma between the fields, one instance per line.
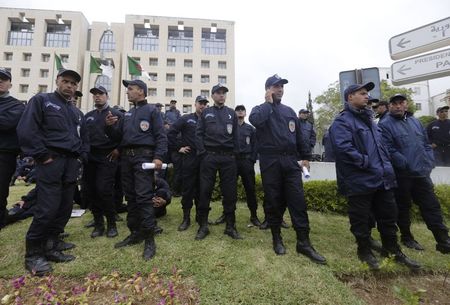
x=178, y=58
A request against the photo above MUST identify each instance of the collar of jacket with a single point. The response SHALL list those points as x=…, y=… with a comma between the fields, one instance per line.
x=140, y=103
x=363, y=113
x=403, y=117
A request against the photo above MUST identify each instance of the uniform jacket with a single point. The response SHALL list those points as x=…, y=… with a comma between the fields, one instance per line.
x=362, y=162
x=11, y=110
x=95, y=122
x=247, y=141
x=308, y=132
x=186, y=125
x=439, y=132
x=408, y=145
x=172, y=115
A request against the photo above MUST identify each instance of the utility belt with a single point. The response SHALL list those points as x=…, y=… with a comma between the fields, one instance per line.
x=138, y=150
x=219, y=152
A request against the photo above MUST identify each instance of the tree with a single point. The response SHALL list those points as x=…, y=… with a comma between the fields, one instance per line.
x=426, y=120
x=387, y=91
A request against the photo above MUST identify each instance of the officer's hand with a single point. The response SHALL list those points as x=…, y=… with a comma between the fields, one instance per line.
x=158, y=164
x=114, y=155
x=111, y=119
x=304, y=163
x=185, y=150
x=268, y=97
x=433, y=145
x=49, y=160
x=158, y=202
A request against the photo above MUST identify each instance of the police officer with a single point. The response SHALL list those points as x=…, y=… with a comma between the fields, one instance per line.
x=439, y=136
x=280, y=146
x=52, y=130
x=216, y=143
x=380, y=108
x=307, y=128
x=99, y=172
x=142, y=140
x=186, y=126
x=413, y=160
x=245, y=161
x=365, y=176
x=10, y=111
x=173, y=114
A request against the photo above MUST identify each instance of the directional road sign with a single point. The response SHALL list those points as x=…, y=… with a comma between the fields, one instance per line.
x=428, y=66
x=423, y=39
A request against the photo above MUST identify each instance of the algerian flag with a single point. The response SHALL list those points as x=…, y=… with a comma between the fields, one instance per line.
x=107, y=70
x=135, y=68
x=58, y=63
x=104, y=67
x=94, y=66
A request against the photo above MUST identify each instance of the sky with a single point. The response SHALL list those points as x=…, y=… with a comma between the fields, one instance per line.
x=306, y=42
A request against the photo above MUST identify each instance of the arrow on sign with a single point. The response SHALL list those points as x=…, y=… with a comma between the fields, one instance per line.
x=402, y=43
x=402, y=70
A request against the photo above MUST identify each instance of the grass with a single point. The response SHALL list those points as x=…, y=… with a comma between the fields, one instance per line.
x=225, y=270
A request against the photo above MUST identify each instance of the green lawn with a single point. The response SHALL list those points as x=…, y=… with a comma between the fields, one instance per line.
x=225, y=270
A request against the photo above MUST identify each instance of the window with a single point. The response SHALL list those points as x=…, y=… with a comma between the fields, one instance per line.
x=57, y=35
x=8, y=56
x=153, y=61
x=187, y=93
x=170, y=77
x=105, y=81
x=188, y=63
x=214, y=42
x=187, y=108
x=26, y=56
x=25, y=72
x=205, y=64
x=170, y=93
x=153, y=76
x=64, y=58
x=44, y=73
x=152, y=92
x=180, y=40
x=42, y=88
x=170, y=62
x=107, y=42
x=418, y=106
x=187, y=78
x=222, y=65
x=23, y=88
x=222, y=79
x=146, y=39
x=45, y=57
x=204, y=79
x=21, y=34
x=204, y=93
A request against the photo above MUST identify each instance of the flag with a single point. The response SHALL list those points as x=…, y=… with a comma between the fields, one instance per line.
x=94, y=66
x=135, y=68
x=58, y=63
x=107, y=70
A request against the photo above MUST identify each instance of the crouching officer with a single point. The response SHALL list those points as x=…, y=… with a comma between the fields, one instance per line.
x=216, y=142
x=99, y=173
x=280, y=145
x=52, y=130
x=142, y=140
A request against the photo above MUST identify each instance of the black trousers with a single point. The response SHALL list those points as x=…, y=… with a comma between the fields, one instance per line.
x=282, y=181
x=98, y=178
x=177, y=162
x=137, y=184
x=190, y=180
x=379, y=204
x=225, y=164
x=56, y=185
x=7, y=169
x=442, y=155
x=419, y=190
x=246, y=170
x=118, y=190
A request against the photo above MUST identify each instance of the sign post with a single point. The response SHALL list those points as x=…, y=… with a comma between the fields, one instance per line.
x=360, y=76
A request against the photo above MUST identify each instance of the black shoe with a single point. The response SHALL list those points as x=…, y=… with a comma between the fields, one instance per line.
x=63, y=246
x=232, y=232
x=367, y=257
x=202, y=232
x=220, y=220
x=38, y=265
x=401, y=258
x=185, y=224
x=133, y=239
x=284, y=225
x=99, y=230
x=15, y=210
x=255, y=221
x=443, y=247
x=375, y=245
x=279, y=247
x=412, y=244
x=264, y=225
x=158, y=230
x=58, y=256
x=304, y=247
x=442, y=241
x=149, y=248
x=111, y=231
x=90, y=224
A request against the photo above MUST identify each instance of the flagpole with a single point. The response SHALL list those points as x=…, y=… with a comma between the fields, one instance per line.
x=53, y=71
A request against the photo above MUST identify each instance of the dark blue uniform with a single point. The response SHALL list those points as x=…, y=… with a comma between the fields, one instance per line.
x=99, y=173
x=52, y=126
x=245, y=161
x=439, y=133
x=308, y=132
x=11, y=110
x=217, y=142
x=142, y=139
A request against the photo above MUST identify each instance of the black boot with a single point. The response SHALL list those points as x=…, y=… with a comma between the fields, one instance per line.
x=63, y=246
x=365, y=253
x=35, y=261
x=111, y=228
x=391, y=247
x=99, y=227
x=133, y=239
x=230, y=228
x=53, y=254
x=264, y=225
x=443, y=241
x=304, y=247
x=203, y=230
x=408, y=240
x=278, y=245
x=186, y=220
x=149, y=247
x=219, y=220
x=254, y=218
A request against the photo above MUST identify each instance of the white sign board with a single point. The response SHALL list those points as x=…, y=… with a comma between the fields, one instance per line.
x=424, y=67
x=423, y=39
